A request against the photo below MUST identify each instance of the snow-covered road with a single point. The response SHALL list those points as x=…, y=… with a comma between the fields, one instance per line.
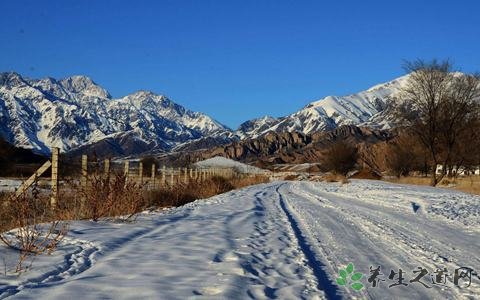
x=285, y=240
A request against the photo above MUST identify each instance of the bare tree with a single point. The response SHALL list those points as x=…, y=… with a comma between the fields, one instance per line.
x=438, y=106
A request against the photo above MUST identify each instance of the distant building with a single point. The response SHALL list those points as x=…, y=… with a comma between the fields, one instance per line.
x=460, y=170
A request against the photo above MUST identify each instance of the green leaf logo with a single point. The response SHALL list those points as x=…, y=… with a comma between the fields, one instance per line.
x=350, y=268
x=348, y=276
x=357, y=286
x=341, y=281
x=356, y=276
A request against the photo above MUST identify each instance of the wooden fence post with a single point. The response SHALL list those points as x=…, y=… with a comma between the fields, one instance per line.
x=172, y=171
x=140, y=172
x=24, y=187
x=126, y=170
x=164, y=177
x=83, y=180
x=106, y=166
x=54, y=198
x=152, y=177
x=185, y=175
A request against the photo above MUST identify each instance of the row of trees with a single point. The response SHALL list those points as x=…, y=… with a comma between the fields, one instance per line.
x=438, y=111
x=437, y=117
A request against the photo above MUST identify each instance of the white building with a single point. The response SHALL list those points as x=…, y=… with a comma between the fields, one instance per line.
x=460, y=170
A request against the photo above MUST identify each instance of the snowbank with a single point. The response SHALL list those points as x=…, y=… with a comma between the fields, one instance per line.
x=222, y=162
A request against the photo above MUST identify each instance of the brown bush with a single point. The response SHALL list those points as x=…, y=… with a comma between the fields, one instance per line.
x=290, y=177
x=110, y=197
x=366, y=173
x=181, y=194
x=29, y=214
x=339, y=158
x=335, y=178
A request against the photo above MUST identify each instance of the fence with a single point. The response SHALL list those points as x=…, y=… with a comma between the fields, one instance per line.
x=154, y=178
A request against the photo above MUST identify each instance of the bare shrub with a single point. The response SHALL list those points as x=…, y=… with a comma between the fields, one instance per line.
x=331, y=177
x=367, y=173
x=110, y=197
x=240, y=182
x=181, y=194
x=339, y=158
x=32, y=236
x=404, y=155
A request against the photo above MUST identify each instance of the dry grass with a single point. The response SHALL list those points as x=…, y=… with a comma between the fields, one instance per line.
x=468, y=184
x=335, y=178
x=366, y=174
x=181, y=194
x=291, y=177
x=110, y=197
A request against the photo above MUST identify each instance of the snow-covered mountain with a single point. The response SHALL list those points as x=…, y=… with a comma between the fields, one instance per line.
x=73, y=112
x=364, y=108
x=255, y=127
x=77, y=114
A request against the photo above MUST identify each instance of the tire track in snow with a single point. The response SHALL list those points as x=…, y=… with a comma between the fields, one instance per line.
x=384, y=231
x=324, y=282
x=337, y=239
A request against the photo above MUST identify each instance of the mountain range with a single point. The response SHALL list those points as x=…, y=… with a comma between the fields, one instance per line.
x=76, y=114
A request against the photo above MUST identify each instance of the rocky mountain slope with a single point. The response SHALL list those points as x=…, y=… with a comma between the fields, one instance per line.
x=74, y=112
x=285, y=147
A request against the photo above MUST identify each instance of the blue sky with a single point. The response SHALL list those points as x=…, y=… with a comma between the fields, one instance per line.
x=235, y=60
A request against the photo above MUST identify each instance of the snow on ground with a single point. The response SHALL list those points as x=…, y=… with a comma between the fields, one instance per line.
x=284, y=240
x=222, y=162
x=9, y=185
x=12, y=184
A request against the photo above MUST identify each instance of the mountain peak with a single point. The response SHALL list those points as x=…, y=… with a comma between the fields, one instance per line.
x=85, y=85
x=10, y=79
x=143, y=94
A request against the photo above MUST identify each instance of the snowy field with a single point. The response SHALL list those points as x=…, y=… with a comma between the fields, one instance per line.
x=285, y=240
